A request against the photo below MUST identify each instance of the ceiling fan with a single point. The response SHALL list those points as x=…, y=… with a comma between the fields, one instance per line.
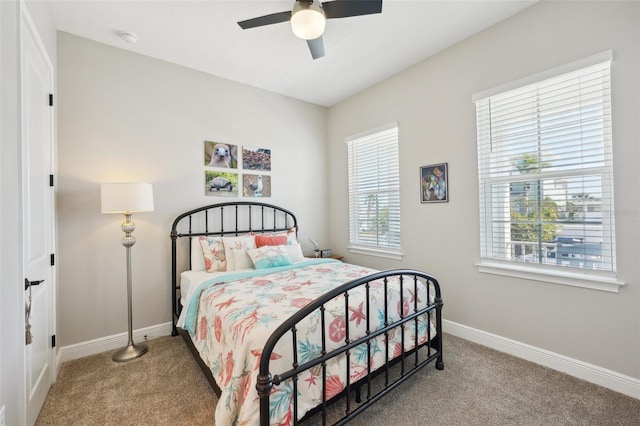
x=308, y=18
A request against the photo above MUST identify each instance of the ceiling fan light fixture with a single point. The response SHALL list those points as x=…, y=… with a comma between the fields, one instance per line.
x=308, y=20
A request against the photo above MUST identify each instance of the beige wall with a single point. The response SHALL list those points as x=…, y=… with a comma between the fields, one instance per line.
x=124, y=116
x=127, y=117
x=432, y=103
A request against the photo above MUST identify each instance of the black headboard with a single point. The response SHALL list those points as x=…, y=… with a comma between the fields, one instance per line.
x=232, y=218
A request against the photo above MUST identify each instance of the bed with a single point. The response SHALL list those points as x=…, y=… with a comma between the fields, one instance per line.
x=284, y=338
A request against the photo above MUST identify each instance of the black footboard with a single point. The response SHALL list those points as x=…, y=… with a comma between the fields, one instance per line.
x=420, y=352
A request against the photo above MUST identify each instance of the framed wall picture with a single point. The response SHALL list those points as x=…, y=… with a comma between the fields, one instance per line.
x=220, y=155
x=256, y=158
x=220, y=184
x=434, y=185
x=256, y=185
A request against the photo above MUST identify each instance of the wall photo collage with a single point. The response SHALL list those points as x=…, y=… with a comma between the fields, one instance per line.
x=234, y=171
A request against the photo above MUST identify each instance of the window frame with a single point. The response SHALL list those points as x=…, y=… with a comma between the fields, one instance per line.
x=573, y=276
x=356, y=245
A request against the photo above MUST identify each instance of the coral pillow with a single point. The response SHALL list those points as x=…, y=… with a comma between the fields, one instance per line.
x=289, y=233
x=270, y=240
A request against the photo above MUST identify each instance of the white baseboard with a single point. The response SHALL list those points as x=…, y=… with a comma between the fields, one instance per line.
x=591, y=373
x=108, y=343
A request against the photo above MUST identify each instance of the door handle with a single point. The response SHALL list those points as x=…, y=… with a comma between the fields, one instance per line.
x=28, y=283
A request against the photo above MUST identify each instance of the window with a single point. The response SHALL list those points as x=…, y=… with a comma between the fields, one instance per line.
x=546, y=175
x=374, y=192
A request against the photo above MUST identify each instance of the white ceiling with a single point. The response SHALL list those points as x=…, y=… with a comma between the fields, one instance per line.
x=360, y=51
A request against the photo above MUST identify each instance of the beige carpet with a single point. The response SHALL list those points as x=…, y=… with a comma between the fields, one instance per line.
x=163, y=387
x=479, y=386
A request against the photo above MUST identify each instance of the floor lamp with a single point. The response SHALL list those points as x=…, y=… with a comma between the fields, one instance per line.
x=127, y=198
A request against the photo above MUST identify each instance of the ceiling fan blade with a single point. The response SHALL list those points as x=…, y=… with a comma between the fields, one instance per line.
x=316, y=47
x=274, y=18
x=346, y=8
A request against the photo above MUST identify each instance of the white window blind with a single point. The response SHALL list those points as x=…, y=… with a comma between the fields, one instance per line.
x=546, y=174
x=374, y=190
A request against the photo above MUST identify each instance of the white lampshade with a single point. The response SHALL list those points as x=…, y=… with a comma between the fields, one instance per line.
x=307, y=20
x=126, y=197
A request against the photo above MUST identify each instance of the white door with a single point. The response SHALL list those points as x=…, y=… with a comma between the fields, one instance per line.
x=38, y=225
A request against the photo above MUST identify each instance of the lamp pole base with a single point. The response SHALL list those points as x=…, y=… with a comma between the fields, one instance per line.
x=130, y=352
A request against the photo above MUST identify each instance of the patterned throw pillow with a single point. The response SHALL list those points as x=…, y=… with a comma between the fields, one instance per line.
x=241, y=243
x=269, y=257
x=291, y=235
x=213, y=251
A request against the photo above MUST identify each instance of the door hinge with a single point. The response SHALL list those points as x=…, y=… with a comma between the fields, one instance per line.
x=53, y=259
x=50, y=99
x=50, y=180
x=53, y=341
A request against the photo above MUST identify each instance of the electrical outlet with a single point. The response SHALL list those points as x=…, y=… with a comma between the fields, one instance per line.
x=3, y=418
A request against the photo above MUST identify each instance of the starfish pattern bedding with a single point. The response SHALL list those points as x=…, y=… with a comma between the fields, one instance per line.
x=230, y=318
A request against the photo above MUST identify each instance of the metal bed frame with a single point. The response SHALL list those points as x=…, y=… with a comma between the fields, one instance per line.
x=235, y=218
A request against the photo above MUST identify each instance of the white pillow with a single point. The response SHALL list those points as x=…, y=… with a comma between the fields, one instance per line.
x=243, y=242
x=238, y=259
x=197, y=258
x=295, y=252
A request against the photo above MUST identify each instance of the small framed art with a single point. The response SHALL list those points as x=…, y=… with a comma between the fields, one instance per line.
x=220, y=155
x=220, y=184
x=256, y=185
x=256, y=158
x=434, y=185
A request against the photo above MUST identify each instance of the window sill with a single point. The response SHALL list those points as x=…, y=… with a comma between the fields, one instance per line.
x=592, y=280
x=389, y=254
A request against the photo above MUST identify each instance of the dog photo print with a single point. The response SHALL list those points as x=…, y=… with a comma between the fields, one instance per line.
x=433, y=183
x=220, y=155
